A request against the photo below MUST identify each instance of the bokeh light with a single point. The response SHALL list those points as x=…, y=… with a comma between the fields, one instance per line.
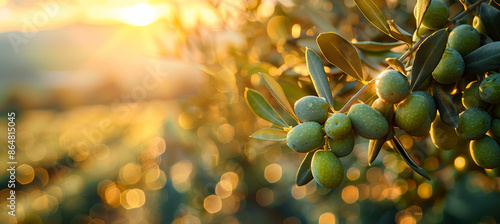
x=350, y=194
x=272, y=173
x=327, y=218
x=425, y=190
x=459, y=163
x=212, y=204
x=25, y=174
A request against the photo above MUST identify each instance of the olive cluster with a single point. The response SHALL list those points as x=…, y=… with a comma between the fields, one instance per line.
x=336, y=131
x=476, y=99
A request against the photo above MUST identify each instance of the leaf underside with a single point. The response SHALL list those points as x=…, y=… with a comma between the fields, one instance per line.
x=304, y=174
x=373, y=14
x=270, y=134
x=259, y=105
x=445, y=106
x=342, y=54
x=420, y=9
x=278, y=94
x=427, y=57
x=318, y=76
x=407, y=158
x=483, y=59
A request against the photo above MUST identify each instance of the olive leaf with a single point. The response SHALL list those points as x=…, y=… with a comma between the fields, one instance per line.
x=376, y=46
x=304, y=174
x=318, y=76
x=400, y=149
x=342, y=54
x=278, y=94
x=289, y=120
x=420, y=9
x=396, y=65
x=398, y=33
x=483, y=59
x=374, y=147
x=427, y=57
x=490, y=18
x=373, y=14
x=261, y=108
x=445, y=106
x=270, y=134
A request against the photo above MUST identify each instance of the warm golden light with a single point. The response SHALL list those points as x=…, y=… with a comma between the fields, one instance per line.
x=155, y=179
x=223, y=189
x=25, y=174
x=408, y=220
x=230, y=177
x=130, y=173
x=298, y=192
x=353, y=173
x=181, y=175
x=212, y=204
x=272, y=173
x=327, y=218
x=425, y=190
x=112, y=195
x=133, y=198
x=459, y=163
x=350, y=194
x=141, y=14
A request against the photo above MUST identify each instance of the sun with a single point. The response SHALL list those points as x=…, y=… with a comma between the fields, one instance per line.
x=141, y=14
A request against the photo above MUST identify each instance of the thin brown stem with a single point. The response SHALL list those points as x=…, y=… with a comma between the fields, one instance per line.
x=356, y=96
x=465, y=12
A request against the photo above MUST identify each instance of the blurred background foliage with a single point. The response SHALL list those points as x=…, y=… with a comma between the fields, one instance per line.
x=133, y=112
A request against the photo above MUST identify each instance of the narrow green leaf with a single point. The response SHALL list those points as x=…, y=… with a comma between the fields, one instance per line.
x=396, y=65
x=373, y=14
x=376, y=46
x=270, y=134
x=261, y=108
x=420, y=9
x=407, y=158
x=304, y=174
x=398, y=33
x=490, y=17
x=318, y=76
x=341, y=53
x=374, y=147
x=483, y=59
x=278, y=94
x=427, y=57
x=287, y=117
x=445, y=106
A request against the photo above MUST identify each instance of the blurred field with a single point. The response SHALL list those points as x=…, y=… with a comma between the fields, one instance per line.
x=133, y=112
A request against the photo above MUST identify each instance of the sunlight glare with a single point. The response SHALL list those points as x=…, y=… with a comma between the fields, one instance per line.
x=141, y=14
